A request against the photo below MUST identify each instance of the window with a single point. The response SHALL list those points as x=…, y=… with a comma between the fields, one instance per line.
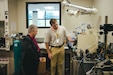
x=40, y=13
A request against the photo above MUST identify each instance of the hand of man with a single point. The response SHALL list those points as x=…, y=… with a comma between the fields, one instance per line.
x=50, y=55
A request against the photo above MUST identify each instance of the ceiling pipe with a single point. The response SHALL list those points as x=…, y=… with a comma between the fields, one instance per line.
x=83, y=10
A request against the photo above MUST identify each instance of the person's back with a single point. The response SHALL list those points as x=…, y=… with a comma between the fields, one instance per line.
x=30, y=55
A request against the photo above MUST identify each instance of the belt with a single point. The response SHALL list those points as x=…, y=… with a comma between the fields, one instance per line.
x=58, y=46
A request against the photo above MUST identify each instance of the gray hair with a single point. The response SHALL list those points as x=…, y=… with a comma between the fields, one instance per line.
x=32, y=28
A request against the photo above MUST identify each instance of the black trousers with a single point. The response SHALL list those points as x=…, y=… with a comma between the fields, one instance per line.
x=30, y=70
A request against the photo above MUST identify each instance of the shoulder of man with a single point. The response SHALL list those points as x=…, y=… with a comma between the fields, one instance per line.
x=26, y=38
x=49, y=30
x=24, y=42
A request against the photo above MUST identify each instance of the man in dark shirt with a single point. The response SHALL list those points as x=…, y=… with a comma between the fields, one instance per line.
x=30, y=52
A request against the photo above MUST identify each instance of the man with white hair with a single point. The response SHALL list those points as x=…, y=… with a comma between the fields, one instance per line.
x=31, y=52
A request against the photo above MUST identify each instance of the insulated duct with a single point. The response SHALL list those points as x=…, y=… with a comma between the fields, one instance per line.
x=82, y=10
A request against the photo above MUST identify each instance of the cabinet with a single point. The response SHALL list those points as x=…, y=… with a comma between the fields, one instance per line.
x=3, y=69
x=3, y=9
x=4, y=17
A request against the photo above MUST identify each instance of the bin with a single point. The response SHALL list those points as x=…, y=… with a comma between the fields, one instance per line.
x=77, y=68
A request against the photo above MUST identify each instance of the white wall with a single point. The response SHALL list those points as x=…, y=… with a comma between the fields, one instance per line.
x=68, y=21
x=104, y=9
x=13, y=18
x=71, y=21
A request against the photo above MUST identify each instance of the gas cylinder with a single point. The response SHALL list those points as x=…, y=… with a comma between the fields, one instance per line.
x=17, y=56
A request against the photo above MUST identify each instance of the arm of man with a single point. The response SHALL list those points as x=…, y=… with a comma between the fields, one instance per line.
x=70, y=39
x=67, y=35
x=48, y=50
x=47, y=40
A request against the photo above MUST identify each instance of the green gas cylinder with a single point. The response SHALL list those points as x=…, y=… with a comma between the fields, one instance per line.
x=17, y=56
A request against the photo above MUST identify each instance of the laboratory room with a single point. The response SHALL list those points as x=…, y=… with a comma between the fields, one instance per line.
x=56, y=37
